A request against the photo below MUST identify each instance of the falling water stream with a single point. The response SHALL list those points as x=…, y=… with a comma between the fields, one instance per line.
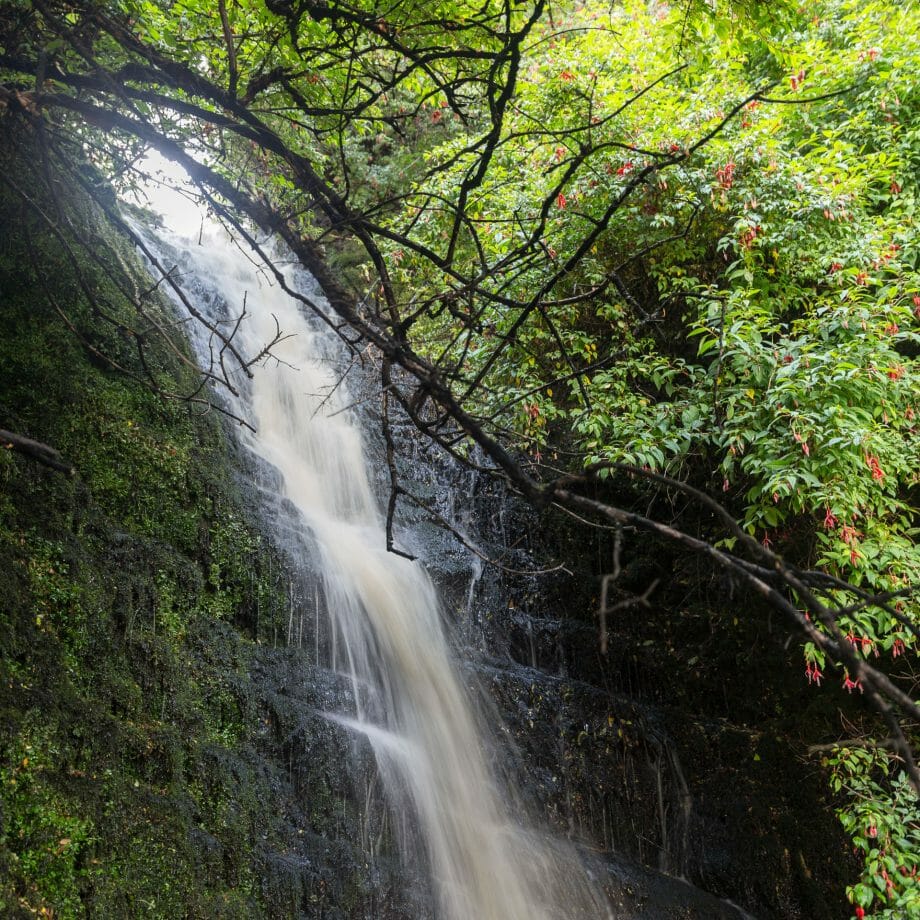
x=485, y=861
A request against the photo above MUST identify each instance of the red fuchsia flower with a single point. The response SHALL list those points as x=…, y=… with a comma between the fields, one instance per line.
x=862, y=278
x=814, y=674
x=776, y=498
x=860, y=913
x=726, y=175
x=625, y=168
x=850, y=685
x=852, y=638
x=917, y=300
x=566, y=76
x=878, y=474
x=726, y=485
x=835, y=267
x=560, y=153
x=889, y=253
x=892, y=329
x=560, y=201
x=866, y=645
x=830, y=522
x=896, y=372
x=897, y=648
x=855, y=556
x=849, y=534
x=746, y=240
x=533, y=410
x=796, y=80
x=766, y=542
x=895, y=188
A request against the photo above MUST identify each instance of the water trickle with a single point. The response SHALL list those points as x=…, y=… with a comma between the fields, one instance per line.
x=410, y=704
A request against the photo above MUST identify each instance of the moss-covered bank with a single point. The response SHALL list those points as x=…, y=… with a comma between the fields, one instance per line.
x=155, y=758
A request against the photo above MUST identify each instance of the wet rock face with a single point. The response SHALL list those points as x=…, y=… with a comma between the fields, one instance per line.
x=705, y=801
x=680, y=749
x=637, y=893
x=330, y=854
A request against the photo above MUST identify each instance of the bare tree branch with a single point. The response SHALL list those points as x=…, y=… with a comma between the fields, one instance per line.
x=35, y=450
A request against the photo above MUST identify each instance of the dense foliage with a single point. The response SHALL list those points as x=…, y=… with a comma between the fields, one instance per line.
x=768, y=346
x=678, y=238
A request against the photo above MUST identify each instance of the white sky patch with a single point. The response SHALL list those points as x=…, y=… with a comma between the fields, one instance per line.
x=170, y=193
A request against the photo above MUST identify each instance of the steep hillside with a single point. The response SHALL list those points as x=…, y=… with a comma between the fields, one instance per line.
x=158, y=752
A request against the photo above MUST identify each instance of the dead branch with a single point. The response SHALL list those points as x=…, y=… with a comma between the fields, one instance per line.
x=35, y=450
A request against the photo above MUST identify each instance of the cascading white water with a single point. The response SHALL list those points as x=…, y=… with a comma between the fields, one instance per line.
x=411, y=706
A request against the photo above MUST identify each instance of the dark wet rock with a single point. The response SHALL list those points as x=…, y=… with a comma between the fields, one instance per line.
x=639, y=893
x=670, y=750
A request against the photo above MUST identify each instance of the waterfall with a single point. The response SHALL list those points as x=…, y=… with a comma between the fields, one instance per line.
x=410, y=702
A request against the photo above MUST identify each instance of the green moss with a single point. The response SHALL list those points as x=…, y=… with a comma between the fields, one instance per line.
x=43, y=835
